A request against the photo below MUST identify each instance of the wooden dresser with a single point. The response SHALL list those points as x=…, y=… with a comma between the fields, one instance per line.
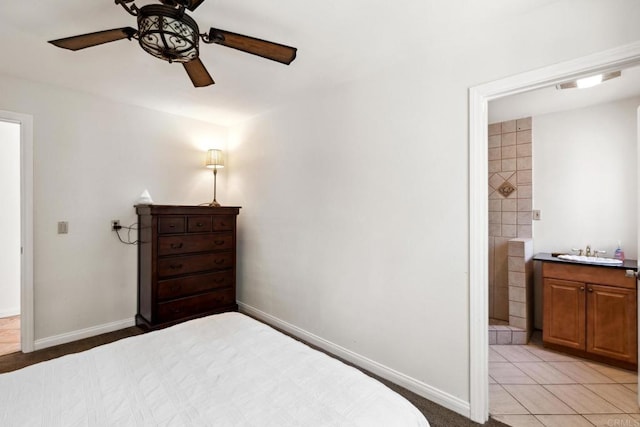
x=186, y=263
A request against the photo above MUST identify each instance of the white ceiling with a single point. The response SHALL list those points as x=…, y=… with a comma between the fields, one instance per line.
x=337, y=41
x=551, y=100
x=330, y=50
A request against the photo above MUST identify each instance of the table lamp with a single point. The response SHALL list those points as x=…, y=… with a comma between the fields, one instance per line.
x=215, y=161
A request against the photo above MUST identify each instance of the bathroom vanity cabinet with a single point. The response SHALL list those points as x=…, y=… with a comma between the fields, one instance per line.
x=590, y=311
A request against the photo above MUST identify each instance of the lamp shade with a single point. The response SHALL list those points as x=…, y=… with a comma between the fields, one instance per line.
x=215, y=160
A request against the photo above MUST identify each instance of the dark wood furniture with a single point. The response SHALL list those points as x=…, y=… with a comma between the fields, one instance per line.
x=186, y=263
x=590, y=311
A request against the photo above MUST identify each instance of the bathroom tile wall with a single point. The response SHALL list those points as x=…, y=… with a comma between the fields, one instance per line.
x=520, y=267
x=510, y=168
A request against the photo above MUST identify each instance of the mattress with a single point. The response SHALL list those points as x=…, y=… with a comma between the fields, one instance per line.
x=222, y=370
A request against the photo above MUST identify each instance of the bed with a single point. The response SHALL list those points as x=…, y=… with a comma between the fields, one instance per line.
x=222, y=370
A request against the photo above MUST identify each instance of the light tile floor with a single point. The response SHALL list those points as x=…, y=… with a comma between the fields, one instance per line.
x=9, y=335
x=533, y=386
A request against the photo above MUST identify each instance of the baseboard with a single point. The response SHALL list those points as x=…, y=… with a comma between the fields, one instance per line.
x=428, y=392
x=9, y=312
x=83, y=333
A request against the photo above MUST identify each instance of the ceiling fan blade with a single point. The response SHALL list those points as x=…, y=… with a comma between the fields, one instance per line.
x=198, y=74
x=274, y=51
x=193, y=4
x=94, y=39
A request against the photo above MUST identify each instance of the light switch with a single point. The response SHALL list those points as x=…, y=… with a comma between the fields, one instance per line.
x=63, y=227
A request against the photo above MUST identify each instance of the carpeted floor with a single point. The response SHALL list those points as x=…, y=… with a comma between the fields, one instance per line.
x=437, y=415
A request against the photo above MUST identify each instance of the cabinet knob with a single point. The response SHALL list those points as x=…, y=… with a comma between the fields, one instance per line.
x=590, y=289
x=199, y=224
x=176, y=246
x=581, y=288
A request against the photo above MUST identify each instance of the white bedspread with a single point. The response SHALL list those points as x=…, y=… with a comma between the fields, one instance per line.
x=222, y=370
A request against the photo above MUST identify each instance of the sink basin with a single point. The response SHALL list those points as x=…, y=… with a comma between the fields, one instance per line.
x=591, y=259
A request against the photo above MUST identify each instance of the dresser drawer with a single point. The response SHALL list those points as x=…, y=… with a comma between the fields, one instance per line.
x=197, y=224
x=171, y=224
x=173, y=245
x=175, y=266
x=184, y=307
x=185, y=286
x=223, y=222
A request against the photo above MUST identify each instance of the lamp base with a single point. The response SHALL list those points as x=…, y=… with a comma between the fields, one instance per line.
x=214, y=204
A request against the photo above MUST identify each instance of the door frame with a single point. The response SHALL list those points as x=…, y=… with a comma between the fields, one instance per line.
x=479, y=97
x=26, y=226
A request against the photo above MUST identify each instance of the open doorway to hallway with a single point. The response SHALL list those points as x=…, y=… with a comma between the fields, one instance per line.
x=10, y=219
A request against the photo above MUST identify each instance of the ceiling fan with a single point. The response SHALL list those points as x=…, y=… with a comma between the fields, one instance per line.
x=168, y=33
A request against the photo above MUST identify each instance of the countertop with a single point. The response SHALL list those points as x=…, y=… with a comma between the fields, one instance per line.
x=627, y=264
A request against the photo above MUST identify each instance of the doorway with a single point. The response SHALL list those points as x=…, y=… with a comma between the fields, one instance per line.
x=16, y=258
x=479, y=97
x=10, y=231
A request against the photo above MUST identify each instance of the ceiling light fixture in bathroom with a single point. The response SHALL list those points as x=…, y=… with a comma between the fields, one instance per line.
x=589, y=81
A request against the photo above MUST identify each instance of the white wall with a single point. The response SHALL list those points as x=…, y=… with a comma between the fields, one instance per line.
x=10, y=219
x=585, y=178
x=92, y=159
x=355, y=198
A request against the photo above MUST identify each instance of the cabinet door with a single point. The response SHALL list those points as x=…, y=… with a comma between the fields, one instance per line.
x=564, y=313
x=611, y=322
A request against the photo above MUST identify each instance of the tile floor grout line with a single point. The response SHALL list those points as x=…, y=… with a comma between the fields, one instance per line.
x=589, y=370
x=516, y=399
x=582, y=385
x=569, y=415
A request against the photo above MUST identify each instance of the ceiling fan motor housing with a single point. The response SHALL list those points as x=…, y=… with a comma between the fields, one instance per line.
x=168, y=33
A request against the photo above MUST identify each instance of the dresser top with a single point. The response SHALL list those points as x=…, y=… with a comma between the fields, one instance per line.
x=186, y=210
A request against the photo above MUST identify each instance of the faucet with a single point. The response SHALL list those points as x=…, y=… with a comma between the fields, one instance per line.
x=588, y=251
x=597, y=253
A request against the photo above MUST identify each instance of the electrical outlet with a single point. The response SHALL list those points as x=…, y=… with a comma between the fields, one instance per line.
x=536, y=215
x=115, y=225
x=63, y=227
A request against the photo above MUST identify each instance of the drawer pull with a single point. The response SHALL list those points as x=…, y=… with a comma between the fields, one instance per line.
x=172, y=226
x=219, y=242
x=200, y=224
x=176, y=310
x=176, y=246
x=175, y=266
x=219, y=261
x=175, y=287
x=219, y=280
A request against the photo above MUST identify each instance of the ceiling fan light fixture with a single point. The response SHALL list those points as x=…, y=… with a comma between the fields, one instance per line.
x=168, y=33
